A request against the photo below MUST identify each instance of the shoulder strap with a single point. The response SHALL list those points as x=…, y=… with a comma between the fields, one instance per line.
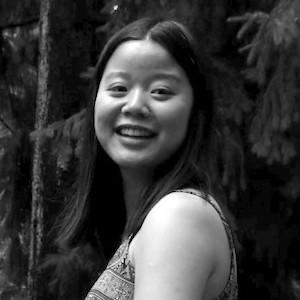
x=228, y=229
x=212, y=202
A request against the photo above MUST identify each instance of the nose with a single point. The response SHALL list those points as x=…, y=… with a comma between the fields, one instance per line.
x=136, y=104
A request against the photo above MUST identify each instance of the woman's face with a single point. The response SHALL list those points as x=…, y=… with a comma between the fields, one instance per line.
x=143, y=106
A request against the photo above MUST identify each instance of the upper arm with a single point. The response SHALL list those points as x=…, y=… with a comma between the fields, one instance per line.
x=175, y=253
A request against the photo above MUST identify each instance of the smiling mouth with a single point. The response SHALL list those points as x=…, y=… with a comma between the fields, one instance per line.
x=134, y=131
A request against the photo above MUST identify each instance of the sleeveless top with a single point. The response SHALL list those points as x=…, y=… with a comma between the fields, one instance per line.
x=117, y=281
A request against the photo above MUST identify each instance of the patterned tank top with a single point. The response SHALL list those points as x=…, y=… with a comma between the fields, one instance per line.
x=117, y=281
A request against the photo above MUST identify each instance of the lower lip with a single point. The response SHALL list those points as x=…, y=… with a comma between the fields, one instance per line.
x=135, y=140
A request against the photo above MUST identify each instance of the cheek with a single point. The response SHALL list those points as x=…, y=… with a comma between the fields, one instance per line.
x=100, y=119
x=103, y=111
x=177, y=125
x=97, y=115
x=182, y=127
x=184, y=121
x=179, y=117
x=106, y=114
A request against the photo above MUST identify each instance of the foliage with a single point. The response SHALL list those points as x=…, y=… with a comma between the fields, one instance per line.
x=80, y=263
x=17, y=93
x=277, y=39
x=257, y=132
x=18, y=13
x=273, y=66
x=66, y=138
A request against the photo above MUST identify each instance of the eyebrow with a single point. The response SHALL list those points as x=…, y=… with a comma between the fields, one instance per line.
x=158, y=75
x=166, y=75
x=116, y=74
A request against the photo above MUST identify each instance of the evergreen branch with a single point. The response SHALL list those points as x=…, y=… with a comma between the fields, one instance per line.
x=278, y=28
x=245, y=48
x=250, y=19
x=6, y=124
x=259, y=19
x=48, y=131
x=28, y=22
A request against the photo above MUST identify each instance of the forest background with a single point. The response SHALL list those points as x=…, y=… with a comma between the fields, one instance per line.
x=46, y=48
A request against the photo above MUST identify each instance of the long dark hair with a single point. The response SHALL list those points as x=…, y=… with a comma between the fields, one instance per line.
x=98, y=187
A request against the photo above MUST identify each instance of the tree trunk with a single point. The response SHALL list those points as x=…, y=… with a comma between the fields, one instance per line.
x=64, y=47
x=42, y=105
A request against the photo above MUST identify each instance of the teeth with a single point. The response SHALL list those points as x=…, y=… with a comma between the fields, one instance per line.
x=135, y=132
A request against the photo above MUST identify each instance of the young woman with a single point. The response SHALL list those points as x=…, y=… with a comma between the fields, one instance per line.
x=144, y=172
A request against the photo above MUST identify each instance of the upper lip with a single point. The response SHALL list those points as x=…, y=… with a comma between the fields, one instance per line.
x=136, y=127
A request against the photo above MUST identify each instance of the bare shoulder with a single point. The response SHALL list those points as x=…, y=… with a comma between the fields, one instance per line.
x=182, y=219
x=183, y=210
x=180, y=241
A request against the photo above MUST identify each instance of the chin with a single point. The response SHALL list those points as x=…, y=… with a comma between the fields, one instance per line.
x=134, y=163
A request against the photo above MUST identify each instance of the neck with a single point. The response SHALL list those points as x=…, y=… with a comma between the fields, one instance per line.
x=133, y=184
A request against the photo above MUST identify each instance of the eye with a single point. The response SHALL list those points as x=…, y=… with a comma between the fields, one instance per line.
x=117, y=90
x=162, y=93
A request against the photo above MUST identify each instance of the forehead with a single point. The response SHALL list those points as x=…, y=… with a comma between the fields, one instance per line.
x=143, y=55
